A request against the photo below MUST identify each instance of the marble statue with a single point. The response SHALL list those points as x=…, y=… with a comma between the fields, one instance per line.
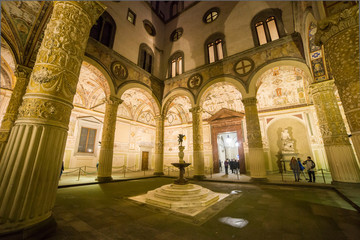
x=287, y=142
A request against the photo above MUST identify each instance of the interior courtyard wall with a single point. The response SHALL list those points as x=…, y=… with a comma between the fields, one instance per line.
x=128, y=37
x=233, y=21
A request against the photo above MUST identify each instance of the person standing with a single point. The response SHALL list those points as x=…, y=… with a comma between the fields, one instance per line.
x=294, y=165
x=226, y=164
x=310, y=167
x=301, y=169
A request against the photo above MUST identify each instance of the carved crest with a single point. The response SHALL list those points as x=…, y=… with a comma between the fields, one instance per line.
x=194, y=81
x=119, y=70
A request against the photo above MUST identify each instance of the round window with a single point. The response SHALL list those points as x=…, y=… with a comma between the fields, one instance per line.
x=176, y=34
x=149, y=28
x=211, y=15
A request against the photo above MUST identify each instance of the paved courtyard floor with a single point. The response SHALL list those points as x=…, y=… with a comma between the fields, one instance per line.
x=257, y=211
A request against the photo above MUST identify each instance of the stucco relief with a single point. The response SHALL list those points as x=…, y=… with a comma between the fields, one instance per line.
x=282, y=86
x=178, y=111
x=252, y=123
x=221, y=95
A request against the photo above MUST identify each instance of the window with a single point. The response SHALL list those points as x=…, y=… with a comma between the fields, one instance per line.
x=146, y=58
x=150, y=29
x=267, y=26
x=87, y=140
x=211, y=15
x=176, y=34
x=131, y=16
x=214, y=48
x=104, y=30
x=176, y=63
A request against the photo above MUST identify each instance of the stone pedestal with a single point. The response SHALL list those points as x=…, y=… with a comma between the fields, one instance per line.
x=256, y=152
x=339, y=34
x=341, y=157
x=198, y=144
x=159, y=146
x=107, y=140
x=31, y=162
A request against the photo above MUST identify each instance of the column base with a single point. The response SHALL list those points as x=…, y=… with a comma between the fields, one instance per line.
x=37, y=231
x=199, y=177
x=104, y=179
x=159, y=173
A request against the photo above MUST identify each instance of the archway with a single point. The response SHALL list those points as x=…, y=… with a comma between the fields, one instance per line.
x=223, y=110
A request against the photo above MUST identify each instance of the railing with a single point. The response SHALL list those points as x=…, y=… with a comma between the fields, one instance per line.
x=321, y=170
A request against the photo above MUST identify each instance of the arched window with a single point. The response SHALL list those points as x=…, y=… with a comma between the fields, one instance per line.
x=176, y=64
x=215, y=48
x=146, y=58
x=267, y=26
x=104, y=30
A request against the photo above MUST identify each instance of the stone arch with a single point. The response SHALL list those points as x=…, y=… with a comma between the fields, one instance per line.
x=283, y=117
x=228, y=79
x=103, y=71
x=148, y=92
x=254, y=77
x=173, y=94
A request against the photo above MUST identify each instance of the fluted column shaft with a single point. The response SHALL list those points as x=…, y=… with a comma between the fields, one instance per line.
x=22, y=74
x=256, y=152
x=31, y=162
x=198, y=142
x=340, y=155
x=159, y=145
x=340, y=36
x=107, y=140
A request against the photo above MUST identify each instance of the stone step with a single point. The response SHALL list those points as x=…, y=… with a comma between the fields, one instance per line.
x=202, y=193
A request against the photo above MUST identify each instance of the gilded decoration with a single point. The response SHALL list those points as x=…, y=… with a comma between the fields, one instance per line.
x=331, y=124
x=119, y=70
x=252, y=123
x=195, y=81
x=56, y=71
x=107, y=140
x=244, y=66
x=159, y=140
x=340, y=35
x=197, y=128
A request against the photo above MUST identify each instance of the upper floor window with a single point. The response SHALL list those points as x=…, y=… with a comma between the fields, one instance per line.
x=131, y=16
x=104, y=30
x=215, y=48
x=87, y=140
x=146, y=58
x=176, y=34
x=176, y=64
x=267, y=26
x=211, y=15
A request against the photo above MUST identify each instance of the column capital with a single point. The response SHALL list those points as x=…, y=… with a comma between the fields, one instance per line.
x=160, y=117
x=196, y=109
x=113, y=100
x=322, y=86
x=329, y=27
x=249, y=101
x=22, y=71
x=92, y=8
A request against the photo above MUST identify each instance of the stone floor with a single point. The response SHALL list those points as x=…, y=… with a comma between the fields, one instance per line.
x=271, y=211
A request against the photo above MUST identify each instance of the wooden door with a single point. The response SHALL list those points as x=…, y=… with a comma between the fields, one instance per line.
x=145, y=161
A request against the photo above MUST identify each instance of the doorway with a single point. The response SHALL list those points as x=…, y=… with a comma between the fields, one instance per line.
x=145, y=161
x=227, y=148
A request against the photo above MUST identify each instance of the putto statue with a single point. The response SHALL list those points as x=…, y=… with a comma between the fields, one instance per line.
x=287, y=142
x=181, y=138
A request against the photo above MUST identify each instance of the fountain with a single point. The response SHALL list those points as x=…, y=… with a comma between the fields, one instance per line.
x=181, y=196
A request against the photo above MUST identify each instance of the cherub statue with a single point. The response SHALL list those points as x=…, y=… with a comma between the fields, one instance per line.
x=181, y=138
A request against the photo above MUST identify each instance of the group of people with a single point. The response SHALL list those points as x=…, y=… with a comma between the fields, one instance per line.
x=233, y=164
x=297, y=168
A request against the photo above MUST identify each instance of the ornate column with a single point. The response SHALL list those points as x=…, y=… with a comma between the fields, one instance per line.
x=159, y=146
x=198, y=143
x=31, y=162
x=256, y=152
x=22, y=74
x=107, y=140
x=340, y=36
x=340, y=155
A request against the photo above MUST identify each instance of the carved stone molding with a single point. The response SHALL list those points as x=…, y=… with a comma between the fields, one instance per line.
x=119, y=70
x=195, y=81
